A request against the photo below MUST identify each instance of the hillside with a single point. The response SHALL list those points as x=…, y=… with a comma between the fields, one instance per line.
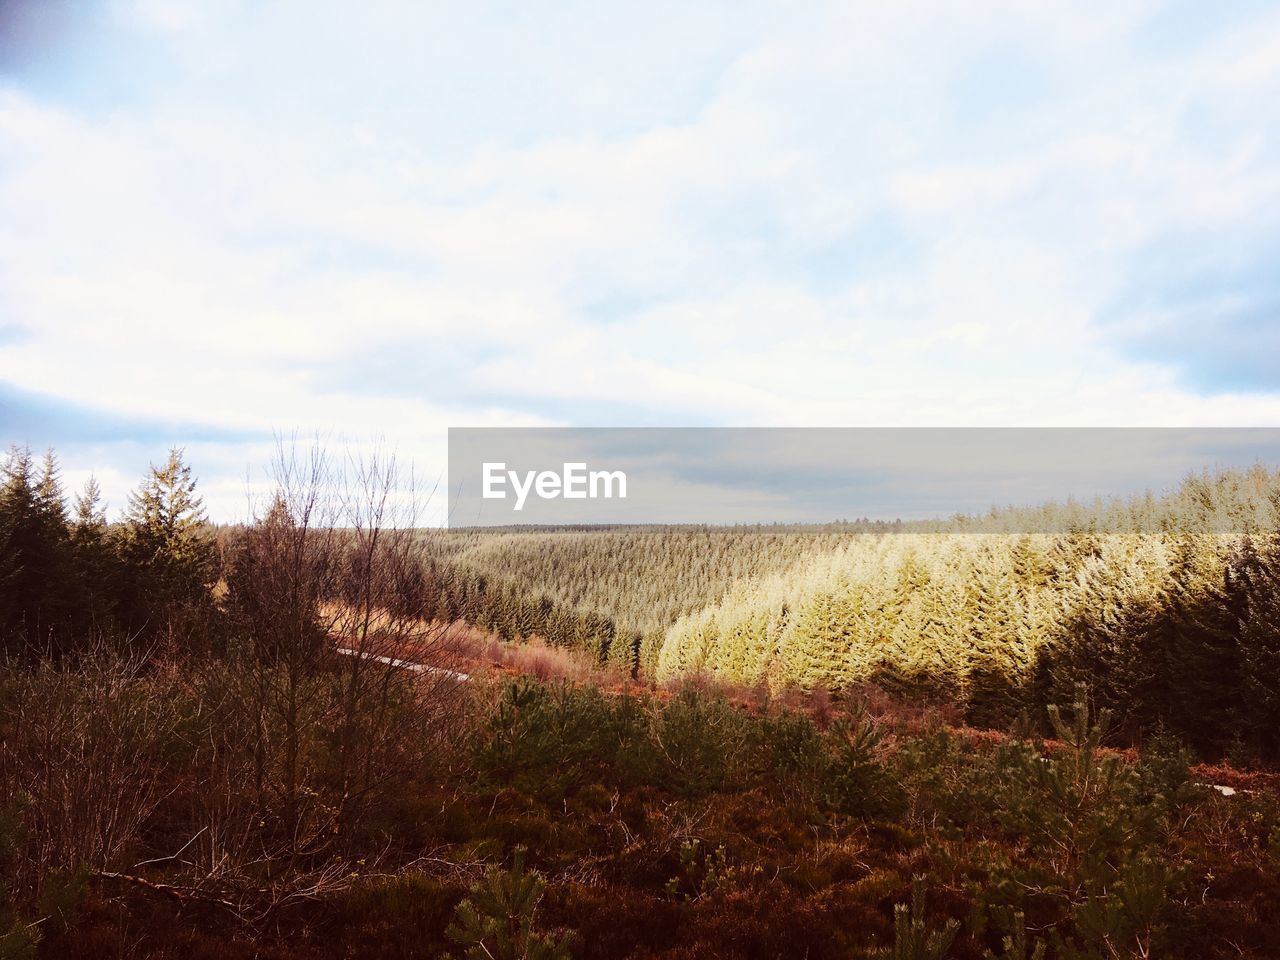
x=1161, y=603
x=586, y=587
x=189, y=768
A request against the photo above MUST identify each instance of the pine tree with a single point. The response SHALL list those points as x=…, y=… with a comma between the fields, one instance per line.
x=10, y=563
x=168, y=550
x=1258, y=570
x=1077, y=805
x=496, y=921
x=818, y=636
x=996, y=671
x=1113, y=631
x=36, y=574
x=912, y=938
x=93, y=558
x=1015, y=945
x=1201, y=646
x=277, y=576
x=18, y=940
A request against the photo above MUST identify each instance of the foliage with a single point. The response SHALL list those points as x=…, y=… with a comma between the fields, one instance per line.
x=38, y=601
x=496, y=921
x=259, y=797
x=705, y=872
x=1015, y=946
x=18, y=940
x=856, y=782
x=168, y=553
x=67, y=581
x=912, y=937
x=552, y=738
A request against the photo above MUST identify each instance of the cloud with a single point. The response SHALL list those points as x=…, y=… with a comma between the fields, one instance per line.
x=35, y=419
x=286, y=215
x=1207, y=305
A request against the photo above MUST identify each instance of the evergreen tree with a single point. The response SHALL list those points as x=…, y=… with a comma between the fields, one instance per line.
x=1077, y=806
x=36, y=574
x=277, y=577
x=10, y=563
x=913, y=939
x=93, y=558
x=1258, y=569
x=169, y=553
x=1201, y=648
x=1016, y=945
x=996, y=668
x=496, y=921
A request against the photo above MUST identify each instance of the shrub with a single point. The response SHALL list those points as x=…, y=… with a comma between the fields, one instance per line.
x=856, y=782
x=794, y=755
x=18, y=940
x=1093, y=832
x=550, y=739
x=703, y=740
x=496, y=921
x=912, y=937
x=705, y=872
x=1123, y=919
x=410, y=910
x=1015, y=945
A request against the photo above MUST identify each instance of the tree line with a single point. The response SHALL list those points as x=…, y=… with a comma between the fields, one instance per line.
x=1168, y=607
x=67, y=575
x=610, y=592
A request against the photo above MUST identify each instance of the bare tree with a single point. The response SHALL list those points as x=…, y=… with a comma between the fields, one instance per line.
x=328, y=585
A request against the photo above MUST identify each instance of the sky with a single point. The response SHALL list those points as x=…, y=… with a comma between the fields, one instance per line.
x=223, y=222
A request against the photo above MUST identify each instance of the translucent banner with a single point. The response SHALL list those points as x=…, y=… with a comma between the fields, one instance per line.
x=1003, y=480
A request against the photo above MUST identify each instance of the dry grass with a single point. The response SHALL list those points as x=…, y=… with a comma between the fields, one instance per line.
x=465, y=647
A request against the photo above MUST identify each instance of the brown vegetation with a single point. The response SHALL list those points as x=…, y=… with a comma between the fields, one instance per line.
x=206, y=776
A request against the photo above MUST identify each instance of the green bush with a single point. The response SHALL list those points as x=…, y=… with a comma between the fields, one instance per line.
x=705, y=872
x=704, y=741
x=496, y=921
x=550, y=739
x=1016, y=946
x=856, y=782
x=913, y=939
x=794, y=755
x=18, y=940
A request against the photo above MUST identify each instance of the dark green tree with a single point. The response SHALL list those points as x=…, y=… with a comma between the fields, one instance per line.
x=496, y=921
x=93, y=559
x=37, y=583
x=1258, y=570
x=168, y=550
x=1200, y=646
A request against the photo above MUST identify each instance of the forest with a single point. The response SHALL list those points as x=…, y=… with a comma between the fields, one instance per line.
x=329, y=732
x=1166, y=606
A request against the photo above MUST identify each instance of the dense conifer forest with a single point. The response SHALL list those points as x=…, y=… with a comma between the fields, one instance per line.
x=327, y=733
x=1166, y=606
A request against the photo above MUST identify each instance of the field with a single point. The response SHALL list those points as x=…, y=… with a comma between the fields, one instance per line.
x=1039, y=734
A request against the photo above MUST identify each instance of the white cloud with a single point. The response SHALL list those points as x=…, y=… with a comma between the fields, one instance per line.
x=743, y=215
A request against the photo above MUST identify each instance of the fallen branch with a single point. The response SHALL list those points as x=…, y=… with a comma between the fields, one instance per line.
x=179, y=893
